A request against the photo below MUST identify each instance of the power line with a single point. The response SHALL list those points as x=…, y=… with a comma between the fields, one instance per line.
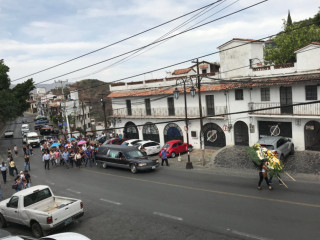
x=92, y=65
x=117, y=42
x=186, y=61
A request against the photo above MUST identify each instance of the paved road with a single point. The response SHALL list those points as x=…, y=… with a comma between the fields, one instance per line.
x=175, y=203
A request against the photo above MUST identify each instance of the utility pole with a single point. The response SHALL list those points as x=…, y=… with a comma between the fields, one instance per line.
x=103, y=103
x=200, y=113
x=65, y=109
x=84, y=121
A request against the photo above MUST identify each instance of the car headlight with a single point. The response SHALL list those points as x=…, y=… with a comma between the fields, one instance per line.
x=142, y=164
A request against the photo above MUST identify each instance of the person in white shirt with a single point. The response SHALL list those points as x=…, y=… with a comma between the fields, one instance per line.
x=4, y=169
x=46, y=160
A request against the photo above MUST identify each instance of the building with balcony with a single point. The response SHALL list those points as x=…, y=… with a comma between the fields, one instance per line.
x=242, y=100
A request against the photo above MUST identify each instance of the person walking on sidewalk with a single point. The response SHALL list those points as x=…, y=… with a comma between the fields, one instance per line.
x=26, y=162
x=12, y=167
x=164, y=157
x=263, y=174
x=65, y=157
x=27, y=178
x=15, y=149
x=46, y=160
x=4, y=169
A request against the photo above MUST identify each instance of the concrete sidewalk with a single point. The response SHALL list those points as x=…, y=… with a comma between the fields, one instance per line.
x=231, y=160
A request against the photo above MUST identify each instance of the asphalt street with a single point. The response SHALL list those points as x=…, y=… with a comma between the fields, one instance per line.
x=175, y=203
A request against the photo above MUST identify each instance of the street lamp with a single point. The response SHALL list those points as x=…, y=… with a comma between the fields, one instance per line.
x=200, y=113
x=176, y=95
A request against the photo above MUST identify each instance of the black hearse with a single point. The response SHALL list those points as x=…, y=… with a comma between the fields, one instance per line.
x=125, y=157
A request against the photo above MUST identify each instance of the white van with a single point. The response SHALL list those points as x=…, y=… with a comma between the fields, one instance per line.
x=33, y=139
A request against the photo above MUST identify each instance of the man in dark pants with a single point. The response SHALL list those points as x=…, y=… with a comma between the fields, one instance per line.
x=164, y=157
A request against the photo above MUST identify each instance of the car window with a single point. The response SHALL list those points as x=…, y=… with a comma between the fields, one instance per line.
x=280, y=142
x=136, y=141
x=270, y=147
x=152, y=144
x=175, y=145
x=103, y=151
x=124, y=144
x=134, y=154
x=179, y=143
x=166, y=146
x=13, y=202
x=147, y=145
x=113, y=154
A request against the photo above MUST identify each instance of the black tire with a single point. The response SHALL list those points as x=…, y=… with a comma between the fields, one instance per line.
x=292, y=150
x=104, y=165
x=281, y=158
x=173, y=155
x=3, y=221
x=133, y=168
x=36, y=230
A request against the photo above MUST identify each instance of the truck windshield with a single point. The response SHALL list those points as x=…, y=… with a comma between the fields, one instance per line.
x=36, y=197
x=32, y=138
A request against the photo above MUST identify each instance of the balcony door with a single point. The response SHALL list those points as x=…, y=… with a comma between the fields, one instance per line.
x=286, y=100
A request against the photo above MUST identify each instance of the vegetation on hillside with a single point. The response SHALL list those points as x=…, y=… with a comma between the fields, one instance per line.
x=294, y=36
x=13, y=102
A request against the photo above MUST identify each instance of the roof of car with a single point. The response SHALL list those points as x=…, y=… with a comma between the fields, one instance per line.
x=173, y=141
x=118, y=147
x=145, y=141
x=269, y=139
x=132, y=140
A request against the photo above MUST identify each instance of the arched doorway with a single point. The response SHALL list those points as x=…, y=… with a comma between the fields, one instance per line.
x=241, y=134
x=172, y=132
x=130, y=131
x=213, y=136
x=150, y=132
x=312, y=135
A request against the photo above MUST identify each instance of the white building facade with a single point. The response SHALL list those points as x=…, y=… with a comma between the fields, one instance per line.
x=230, y=97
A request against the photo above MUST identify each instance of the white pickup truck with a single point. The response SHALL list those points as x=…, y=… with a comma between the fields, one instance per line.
x=38, y=208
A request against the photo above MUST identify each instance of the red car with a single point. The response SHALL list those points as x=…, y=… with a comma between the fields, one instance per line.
x=115, y=141
x=174, y=147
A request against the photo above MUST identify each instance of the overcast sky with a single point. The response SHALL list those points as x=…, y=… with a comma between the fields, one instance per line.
x=37, y=34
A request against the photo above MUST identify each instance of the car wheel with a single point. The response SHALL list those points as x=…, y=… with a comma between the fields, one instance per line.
x=133, y=168
x=104, y=165
x=281, y=158
x=292, y=150
x=3, y=221
x=173, y=154
x=36, y=230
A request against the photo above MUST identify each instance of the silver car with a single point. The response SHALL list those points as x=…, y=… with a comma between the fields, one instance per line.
x=280, y=146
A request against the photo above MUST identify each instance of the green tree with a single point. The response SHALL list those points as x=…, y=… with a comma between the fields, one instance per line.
x=293, y=38
x=13, y=102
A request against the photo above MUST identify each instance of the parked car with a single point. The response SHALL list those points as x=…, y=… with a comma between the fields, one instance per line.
x=8, y=133
x=41, y=121
x=102, y=139
x=38, y=126
x=46, y=129
x=150, y=147
x=36, y=207
x=281, y=146
x=24, y=120
x=131, y=142
x=115, y=141
x=174, y=147
x=124, y=157
x=24, y=128
x=24, y=138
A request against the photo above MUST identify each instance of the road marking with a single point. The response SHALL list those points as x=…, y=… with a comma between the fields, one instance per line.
x=108, y=201
x=247, y=235
x=168, y=216
x=73, y=191
x=211, y=191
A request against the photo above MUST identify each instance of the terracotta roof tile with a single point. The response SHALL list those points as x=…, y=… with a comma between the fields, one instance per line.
x=182, y=71
x=244, y=83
